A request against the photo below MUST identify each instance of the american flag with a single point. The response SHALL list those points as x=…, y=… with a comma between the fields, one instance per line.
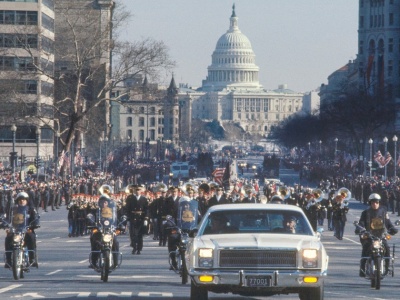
x=110, y=157
x=378, y=158
x=78, y=159
x=398, y=161
x=60, y=161
x=218, y=175
x=387, y=159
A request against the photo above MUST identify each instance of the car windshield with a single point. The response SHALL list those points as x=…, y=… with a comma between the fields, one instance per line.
x=256, y=221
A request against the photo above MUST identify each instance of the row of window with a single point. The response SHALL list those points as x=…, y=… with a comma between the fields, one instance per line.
x=390, y=46
x=18, y=86
x=17, y=63
x=32, y=1
x=48, y=3
x=377, y=20
x=256, y=117
x=389, y=69
x=18, y=40
x=26, y=134
x=142, y=137
x=18, y=17
x=151, y=120
x=376, y=3
x=47, y=22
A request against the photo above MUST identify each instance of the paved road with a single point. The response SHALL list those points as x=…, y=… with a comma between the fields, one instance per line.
x=63, y=270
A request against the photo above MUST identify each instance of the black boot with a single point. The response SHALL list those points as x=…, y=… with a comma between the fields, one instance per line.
x=362, y=268
x=386, y=271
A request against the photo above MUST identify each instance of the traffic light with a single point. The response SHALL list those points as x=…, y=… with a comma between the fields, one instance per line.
x=38, y=162
x=13, y=158
x=23, y=160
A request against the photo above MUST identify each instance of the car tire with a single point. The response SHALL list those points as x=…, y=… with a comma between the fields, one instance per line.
x=198, y=292
x=312, y=293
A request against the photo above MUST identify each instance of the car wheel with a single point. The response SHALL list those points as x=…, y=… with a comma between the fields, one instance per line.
x=198, y=292
x=312, y=293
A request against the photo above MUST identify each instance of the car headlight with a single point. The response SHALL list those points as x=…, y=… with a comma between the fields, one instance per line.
x=206, y=257
x=107, y=238
x=310, y=258
x=17, y=238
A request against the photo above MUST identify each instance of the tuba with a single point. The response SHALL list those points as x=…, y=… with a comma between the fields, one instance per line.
x=106, y=189
x=161, y=187
x=186, y=187
x=345, y=194
x=213, y=185
x=318, y=195
x=284, y=192
x=248, y=189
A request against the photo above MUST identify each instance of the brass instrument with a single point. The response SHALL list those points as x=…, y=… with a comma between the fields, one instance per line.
x=318, y=195
x=345, y=194
x=284, y=192
x=248, y=189
x=130, y=188
x=161, y=187
x=186, y=187
x=105, y=189
x=213, y=185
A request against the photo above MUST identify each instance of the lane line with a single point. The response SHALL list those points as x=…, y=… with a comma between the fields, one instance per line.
x=54, y=272
x=11, y=287
x=83, y=261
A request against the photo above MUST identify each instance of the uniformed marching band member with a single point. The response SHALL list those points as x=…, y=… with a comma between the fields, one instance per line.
x=137, y=212
x=312, y=207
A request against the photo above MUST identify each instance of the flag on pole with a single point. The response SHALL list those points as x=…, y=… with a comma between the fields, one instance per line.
x=398, y=161
x=226, y=176
x=386, y=159
x=378, y=158
x=78, y=159
x=110, y=157
x=218, y=175
x=60, y=161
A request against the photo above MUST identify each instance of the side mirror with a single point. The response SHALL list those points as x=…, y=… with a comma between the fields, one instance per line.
x=193, y=232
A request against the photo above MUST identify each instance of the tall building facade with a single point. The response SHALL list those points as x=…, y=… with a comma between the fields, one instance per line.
x=379, y=48
x=26, y=45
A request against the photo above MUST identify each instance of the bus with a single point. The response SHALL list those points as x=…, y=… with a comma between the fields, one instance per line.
x=180, y=170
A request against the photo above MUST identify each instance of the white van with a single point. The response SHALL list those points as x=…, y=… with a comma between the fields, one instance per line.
x=180, y=170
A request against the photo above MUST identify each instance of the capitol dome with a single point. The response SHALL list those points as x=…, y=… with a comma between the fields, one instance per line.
x=233, y=61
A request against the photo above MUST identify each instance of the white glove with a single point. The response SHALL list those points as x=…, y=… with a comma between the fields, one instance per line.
x=164, y=222
x=342, y=205
x=145, y=223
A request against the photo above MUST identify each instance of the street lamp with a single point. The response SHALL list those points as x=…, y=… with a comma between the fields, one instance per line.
x=100, y=162
x=37, y=152
x=395, y=155
x=336, y=141
x=106, y=155
x=57, y=138
x=370, y=141
x=309, y=146
x=13, y=153
x=362, y=155
x=385, y=140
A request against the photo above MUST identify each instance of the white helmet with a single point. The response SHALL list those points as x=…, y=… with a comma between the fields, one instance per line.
x=374, y=197
x=22, y=195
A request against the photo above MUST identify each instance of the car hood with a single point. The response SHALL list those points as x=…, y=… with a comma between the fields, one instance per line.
x=257, y=241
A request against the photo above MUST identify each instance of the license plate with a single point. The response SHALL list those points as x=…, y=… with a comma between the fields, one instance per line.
x=258, y=281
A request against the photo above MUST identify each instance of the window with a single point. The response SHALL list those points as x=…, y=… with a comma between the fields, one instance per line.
x=141, y=122
x=390, y=45
x=361, y=25
x=391, y=19
x=129, y=121
x=390, y=68
x=152, y=134
x=47, y=22
x=141, y=135
x=152, y=122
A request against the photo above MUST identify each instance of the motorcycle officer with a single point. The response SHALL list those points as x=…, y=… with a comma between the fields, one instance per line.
x=375, y=219
x=106, y=205
x=32, y=216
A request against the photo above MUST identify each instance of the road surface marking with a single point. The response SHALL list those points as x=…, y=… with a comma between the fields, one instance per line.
x=54, y=272
x=11, y=287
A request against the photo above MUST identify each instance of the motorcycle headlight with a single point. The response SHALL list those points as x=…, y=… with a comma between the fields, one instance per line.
x=107, y=238
x=17, y=238
x=310, y=258
x=184, y=239
x=376, y=244
x=206, y=257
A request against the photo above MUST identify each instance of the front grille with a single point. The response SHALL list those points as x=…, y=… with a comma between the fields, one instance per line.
x=258, y=258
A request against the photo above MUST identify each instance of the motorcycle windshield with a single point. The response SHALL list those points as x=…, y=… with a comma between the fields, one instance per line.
x=20, y=218
x=107, y=216
x=187, y=214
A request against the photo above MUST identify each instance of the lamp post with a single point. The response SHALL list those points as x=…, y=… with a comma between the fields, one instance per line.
x=13, y=153
x=370, y=141
x=106, y=155
x=309, y=146
x=100, y=162
x=362, y=155
x=336, y=141
x=37, y=152
x=57, y=138
x=395, y=156
x=385, y=140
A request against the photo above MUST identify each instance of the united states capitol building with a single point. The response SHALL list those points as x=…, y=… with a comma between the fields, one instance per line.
x=232, y=93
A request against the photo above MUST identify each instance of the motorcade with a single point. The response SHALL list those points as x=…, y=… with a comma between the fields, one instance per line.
x=254, y=254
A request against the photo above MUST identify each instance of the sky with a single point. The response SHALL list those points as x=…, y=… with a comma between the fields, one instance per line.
x=296, y=42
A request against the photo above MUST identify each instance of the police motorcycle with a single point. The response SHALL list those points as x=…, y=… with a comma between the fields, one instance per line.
x=19, y=253
x=104, y=228
x=178, y=235
x=375, y=261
